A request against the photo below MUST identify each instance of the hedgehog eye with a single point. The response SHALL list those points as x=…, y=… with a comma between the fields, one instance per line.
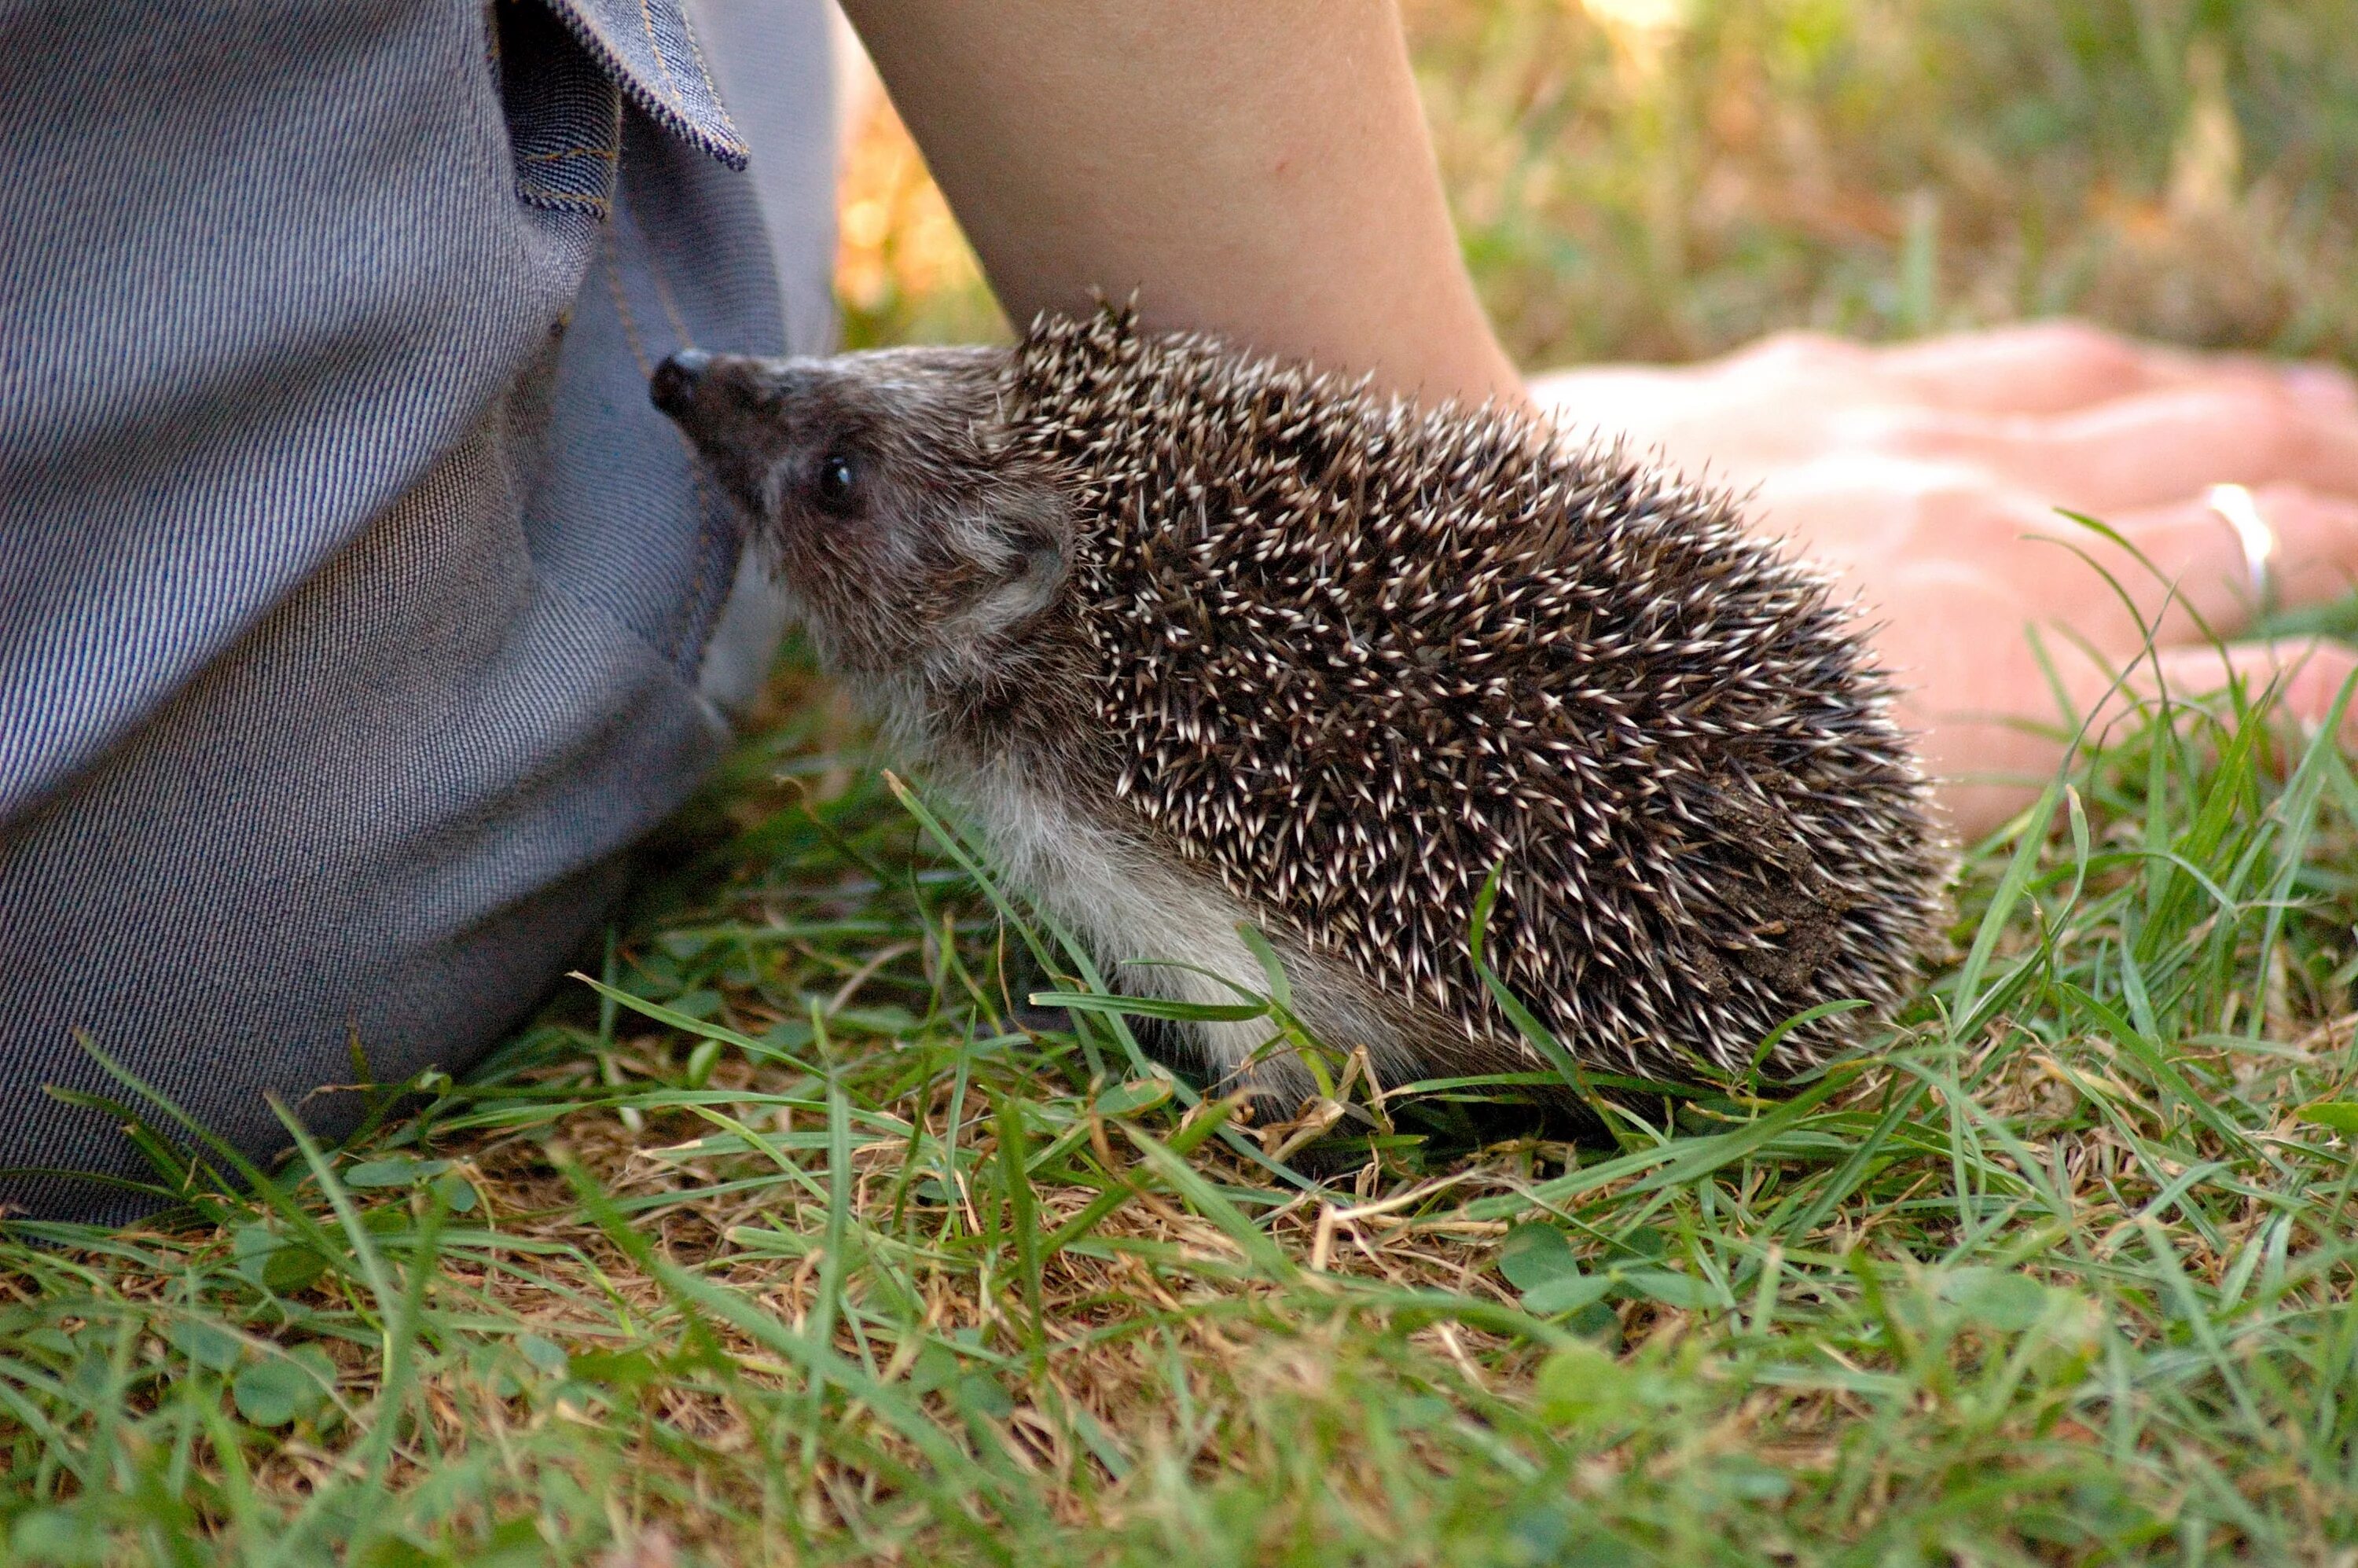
x=837, y=485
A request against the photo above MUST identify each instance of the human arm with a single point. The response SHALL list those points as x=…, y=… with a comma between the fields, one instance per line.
x=1261, y=171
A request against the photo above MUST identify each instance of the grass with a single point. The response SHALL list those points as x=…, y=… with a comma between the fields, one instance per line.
x=794, y=1235
x=788, y=1242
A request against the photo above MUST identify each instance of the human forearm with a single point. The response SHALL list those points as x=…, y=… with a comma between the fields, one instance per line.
x=1261, y=171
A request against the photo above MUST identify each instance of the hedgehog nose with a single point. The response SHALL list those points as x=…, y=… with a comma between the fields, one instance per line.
x=672, y=387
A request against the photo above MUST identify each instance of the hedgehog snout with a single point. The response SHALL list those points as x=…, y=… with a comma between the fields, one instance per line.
x=672, y=387
x=714, y=397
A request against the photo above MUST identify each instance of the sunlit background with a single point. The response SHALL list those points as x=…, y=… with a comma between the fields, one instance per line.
x=1666, y=178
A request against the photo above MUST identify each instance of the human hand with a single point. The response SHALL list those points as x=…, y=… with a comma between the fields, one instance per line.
x=1929, y=476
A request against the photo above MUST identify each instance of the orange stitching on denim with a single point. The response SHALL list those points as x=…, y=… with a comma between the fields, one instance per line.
x=622, y=310
x=670, y=305
x=732, y=144
x=601, y=206
x=603, y=155
x=696, y=55
x=613, y=56
x=647, y=20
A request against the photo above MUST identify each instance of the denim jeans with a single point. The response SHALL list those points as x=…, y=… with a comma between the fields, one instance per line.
x=354, y=604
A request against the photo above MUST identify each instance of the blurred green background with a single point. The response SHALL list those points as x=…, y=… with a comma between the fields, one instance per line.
x=1666, y=179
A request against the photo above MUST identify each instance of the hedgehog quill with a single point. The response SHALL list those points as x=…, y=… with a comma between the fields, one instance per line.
x=1201, y=638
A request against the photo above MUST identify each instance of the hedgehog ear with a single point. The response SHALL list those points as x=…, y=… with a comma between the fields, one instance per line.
x=1037, y=535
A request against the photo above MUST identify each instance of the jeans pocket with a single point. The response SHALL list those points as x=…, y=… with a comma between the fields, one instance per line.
x=564, y=68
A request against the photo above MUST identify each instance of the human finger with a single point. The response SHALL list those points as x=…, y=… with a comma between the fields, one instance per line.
x=2139, y=451
x=1991, y=689
x=2054, y=367
x=2304, y=677
x=1988, y=762
x=2040, y=367
x=2186, y=570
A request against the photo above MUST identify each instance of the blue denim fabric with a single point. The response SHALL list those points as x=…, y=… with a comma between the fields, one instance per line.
x=353, y=598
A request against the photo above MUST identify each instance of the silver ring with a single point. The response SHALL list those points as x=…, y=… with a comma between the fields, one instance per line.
x=2234, y=506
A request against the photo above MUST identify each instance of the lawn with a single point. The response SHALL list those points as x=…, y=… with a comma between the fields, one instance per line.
x=792, y=1233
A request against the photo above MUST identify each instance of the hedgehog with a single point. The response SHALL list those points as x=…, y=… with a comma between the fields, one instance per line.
x=1206, y=643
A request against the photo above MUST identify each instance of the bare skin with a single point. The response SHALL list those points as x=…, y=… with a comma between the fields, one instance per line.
x=1263, y=172
x=1258, y=170
x=1930, y=476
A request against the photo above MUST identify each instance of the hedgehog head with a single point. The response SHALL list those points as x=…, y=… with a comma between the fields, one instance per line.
x=913, y=539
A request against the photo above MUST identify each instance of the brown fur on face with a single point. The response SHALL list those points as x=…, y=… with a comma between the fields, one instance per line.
x=914, y=541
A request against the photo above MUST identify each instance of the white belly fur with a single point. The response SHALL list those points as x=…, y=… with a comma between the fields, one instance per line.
x=1129, y=903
